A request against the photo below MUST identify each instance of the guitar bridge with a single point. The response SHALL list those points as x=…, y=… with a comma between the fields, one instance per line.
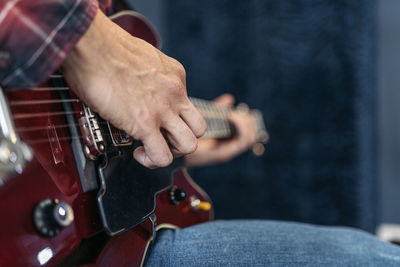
x=91, y=133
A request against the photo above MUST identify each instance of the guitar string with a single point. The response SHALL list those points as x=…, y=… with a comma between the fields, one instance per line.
x=67, y=138
x=206, y=113
x=208, y=110
x=220, y=133
x=42, y=102
x=204, y=103
x=224, y=111
x=50, y=127
x=55, y=127
x=18, y=116
x=38, y=128
x=52, y=139
x=210, y=133
x=193, y=99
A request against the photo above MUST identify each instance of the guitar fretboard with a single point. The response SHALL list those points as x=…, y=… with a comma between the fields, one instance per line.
x=216, y=118
x=218, y=125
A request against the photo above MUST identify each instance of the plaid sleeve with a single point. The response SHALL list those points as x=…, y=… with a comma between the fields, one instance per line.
x=36, y=35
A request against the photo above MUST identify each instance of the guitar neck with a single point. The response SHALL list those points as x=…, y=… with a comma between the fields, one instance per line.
x=217, y=120
x=218, y=125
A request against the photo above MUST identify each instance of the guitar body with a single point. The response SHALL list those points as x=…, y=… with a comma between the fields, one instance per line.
x=58, y=174
x=118, y=251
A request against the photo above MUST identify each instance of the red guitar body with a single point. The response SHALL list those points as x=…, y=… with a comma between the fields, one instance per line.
x=52, y=174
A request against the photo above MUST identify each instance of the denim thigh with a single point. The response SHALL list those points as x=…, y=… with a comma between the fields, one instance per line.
x=269, y=243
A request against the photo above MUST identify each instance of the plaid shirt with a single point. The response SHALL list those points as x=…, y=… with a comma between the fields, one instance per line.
x=36, y=35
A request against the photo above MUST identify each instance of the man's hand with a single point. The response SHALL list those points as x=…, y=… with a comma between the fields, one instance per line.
x=136, y=88
x=211, y=151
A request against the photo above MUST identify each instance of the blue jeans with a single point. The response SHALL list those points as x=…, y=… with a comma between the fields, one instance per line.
x=269, y=243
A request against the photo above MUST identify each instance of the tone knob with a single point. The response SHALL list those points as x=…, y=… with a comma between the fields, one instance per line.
x=177, y=195
x=50, y=216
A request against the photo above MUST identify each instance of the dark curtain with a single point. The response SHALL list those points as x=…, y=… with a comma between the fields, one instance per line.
x=309, y=67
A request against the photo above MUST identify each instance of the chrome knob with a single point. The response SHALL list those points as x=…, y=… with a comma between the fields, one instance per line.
x=50, y=216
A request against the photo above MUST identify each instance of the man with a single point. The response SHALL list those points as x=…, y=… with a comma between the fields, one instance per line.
x=126, y=80
x=142, y=91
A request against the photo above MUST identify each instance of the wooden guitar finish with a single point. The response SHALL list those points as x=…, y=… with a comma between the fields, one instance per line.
x=39, y=117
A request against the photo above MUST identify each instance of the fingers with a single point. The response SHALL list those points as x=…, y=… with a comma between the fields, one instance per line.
x=180, y=137
x=155, y=152
x=192, y=117
x=246, y=131
x=225, y=100
x=181, y=104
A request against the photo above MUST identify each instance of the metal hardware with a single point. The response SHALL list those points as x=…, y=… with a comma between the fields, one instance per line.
x=197, y=204
x=14, y=154
x=92, y=137
x=55, y=145
x=119, y=137
x=176, y=195
x=86, y=168
x=50, y=216
x=153, y=219
x=63, y=214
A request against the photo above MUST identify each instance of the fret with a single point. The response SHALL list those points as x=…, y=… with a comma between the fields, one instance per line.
x=216, y=118
x=218, y=125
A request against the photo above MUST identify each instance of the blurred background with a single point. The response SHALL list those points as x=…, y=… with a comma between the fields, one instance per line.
x=326, y=75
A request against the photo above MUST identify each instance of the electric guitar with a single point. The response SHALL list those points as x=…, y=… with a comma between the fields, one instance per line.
x=67, y=176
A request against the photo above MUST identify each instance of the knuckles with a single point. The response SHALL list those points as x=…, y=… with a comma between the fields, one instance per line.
x=175, y=87
x=181, y=72
x=175, y=83
x=179, y=69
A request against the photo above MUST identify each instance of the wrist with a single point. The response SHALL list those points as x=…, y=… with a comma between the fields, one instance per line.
x=89, y=45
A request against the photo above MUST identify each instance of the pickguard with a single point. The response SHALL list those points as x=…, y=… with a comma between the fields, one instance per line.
x=128, y=192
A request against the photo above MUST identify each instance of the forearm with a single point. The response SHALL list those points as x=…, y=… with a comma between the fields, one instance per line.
x=36, y=36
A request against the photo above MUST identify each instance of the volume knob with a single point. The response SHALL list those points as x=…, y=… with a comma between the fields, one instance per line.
x=176, y=195
x=50, y=216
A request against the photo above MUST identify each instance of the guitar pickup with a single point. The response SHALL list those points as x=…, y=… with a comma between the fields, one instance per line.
x=119, y=137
